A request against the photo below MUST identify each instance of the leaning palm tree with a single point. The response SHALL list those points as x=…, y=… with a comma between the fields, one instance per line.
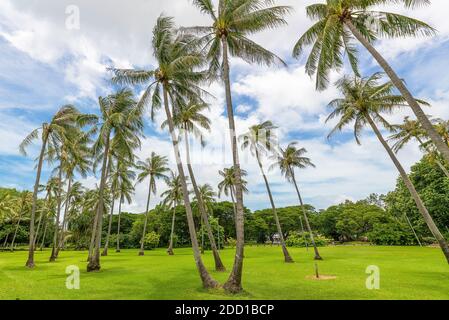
x=189, y=118
x=119, y=128
x=287, y=160
x=232, y=23
x=172, y=197
x=154, y=167
x=364, y=101
x=412, y=130
x=175, y=78
x=51, y=134
x=260, y=140
x=338, y=22
x=227, y=185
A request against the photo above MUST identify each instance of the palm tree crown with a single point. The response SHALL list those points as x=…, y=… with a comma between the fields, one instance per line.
x=290, y=158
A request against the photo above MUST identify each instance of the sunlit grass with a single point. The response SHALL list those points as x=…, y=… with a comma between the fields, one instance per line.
x=406, y=273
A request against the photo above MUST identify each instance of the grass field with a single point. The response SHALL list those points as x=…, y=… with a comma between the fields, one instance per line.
x=405, y=273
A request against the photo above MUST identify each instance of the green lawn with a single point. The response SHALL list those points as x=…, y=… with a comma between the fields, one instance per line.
x=405, y=273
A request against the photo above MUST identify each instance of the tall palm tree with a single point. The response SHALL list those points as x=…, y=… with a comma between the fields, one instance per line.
x=154, y=167
x=207, y=196
x=51, y=134
x=227, y=185
x=410, y=130
x=172, y=197
x=338, y=22
x=74, y=195
x=125, y=188
x=176, y=78
x=232, y=23
x=189, y=118
x=287, y=160
x=120, y=124
x=364, y=101
x=260, y=140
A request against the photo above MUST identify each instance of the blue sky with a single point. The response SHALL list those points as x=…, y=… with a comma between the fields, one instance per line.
x=44, y=65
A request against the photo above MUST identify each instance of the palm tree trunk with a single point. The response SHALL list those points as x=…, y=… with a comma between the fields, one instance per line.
x=419, y=203
x=17, y=229
x=40, y=220
x=64, y=219
x=43, y=236
x=142, y=243
x=170, y=246
x=94, y=259
x=6, y=241
x=92, y=237
x=206, y=279
x=287, y=256
x=118, y=222
x=234, y=282
x=218, y=263
x=54, y=253
x=106, y=244
x=399, y=84
x=30, y=261
x=306, y=219
x=413, y=229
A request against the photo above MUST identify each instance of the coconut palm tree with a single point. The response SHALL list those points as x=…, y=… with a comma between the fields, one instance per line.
x=364, y=102
x=207, y=196
x=125, y=188
x=227, y=185
x=189, y=118
x=175, y=78
x=338, y=22
x=173, y=197
x=24, y=203
x=119, y=129
x=232, y=23
x=287, y=160
x=412, y=130
x=260, y=140
x=51, y=134
x=154, y=168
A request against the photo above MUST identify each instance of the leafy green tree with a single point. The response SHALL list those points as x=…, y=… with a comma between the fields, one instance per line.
x=364, y=101
x=338, y=22
x=260, y=140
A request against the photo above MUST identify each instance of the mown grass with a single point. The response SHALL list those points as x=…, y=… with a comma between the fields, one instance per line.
x=405, y=273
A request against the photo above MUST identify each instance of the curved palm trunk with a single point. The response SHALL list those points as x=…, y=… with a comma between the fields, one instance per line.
x=170, y=246
x=94, y=258
x=206, y=278
x=40, y=222
x=306, y=219
x=234, y=282
x=54, y=251
x=218, y=263
x=419, y=203
x=6, y=241
x=106, y=244
x=118, y=222
x=30, y=261
x=142, y=243
x=17, y=229
x=64, y=219
x=287, y=256
x=399, y=84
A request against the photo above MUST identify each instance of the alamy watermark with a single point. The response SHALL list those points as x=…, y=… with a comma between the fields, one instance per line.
x=72, y=21
x=72, y=281
x=373, y=280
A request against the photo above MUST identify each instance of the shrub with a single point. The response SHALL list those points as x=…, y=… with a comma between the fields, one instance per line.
x=299, y=239
x=231, y=242
x=151, y=240
x=391, y=235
